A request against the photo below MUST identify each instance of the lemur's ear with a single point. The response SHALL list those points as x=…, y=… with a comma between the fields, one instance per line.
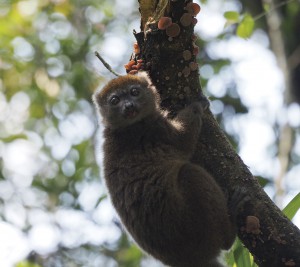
x=143, y=75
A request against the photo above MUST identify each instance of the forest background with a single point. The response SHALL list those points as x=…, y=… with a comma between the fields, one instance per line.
x=53, y=203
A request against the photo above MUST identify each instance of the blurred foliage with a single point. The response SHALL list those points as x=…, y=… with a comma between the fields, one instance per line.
x=49, y=177
x=27, y=264
x=245, y=23
x=292, y=208
x=242, y=257
x=47, y=76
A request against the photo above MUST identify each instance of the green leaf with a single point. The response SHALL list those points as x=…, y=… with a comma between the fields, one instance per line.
x=27, y=264
x=232, y=16
x=239, y=256
x=13, y=138
x=245, y=28
x=242, y=256
x=230, y=256
x=291, y=209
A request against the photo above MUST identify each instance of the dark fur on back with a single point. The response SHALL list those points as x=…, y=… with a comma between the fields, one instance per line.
x=173, y=209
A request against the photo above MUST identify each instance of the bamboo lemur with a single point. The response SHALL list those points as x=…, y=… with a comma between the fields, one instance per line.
x=173, y=209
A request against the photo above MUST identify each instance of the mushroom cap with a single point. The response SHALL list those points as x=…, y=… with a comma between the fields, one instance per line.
x=164, y=22
x=173, y=30
x=193, y=8
x=186, y=19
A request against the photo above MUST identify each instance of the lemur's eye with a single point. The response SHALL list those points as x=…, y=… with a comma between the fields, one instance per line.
x=134, y=91
x=114, y=100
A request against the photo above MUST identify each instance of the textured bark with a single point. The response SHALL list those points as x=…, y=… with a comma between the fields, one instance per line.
x=277, y=241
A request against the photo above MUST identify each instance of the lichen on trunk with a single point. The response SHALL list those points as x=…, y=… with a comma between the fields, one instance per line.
x=174, y=74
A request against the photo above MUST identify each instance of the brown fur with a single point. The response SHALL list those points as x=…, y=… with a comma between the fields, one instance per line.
x=173, y=209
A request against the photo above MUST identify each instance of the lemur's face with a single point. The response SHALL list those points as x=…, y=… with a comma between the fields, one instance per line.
x=127, y=101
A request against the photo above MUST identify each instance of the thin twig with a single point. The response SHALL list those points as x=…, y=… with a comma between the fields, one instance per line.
x=106, y=65
x=272, y=9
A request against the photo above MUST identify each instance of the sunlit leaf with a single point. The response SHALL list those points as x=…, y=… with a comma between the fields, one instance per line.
x=291, y=209
x=27, y=264
x=242, y=257
x=230, y=255
x=232, y=16
x=245, y=28
x=13, y=137
x=239, y=256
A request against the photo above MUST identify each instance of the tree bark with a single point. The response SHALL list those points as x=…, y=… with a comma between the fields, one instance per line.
x=275, y=241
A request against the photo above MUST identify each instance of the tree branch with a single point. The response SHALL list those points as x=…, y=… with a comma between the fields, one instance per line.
x=277, y=243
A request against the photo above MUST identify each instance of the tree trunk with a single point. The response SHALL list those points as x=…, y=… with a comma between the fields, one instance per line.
x=274, y=241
